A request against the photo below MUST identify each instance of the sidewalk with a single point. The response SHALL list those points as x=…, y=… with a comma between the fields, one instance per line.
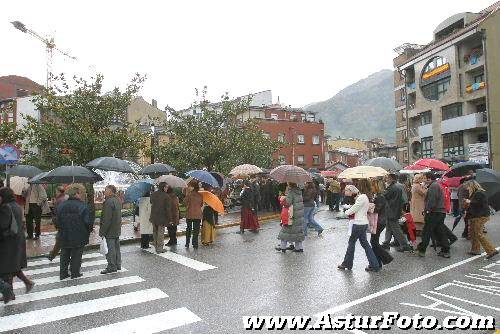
x=41, y=247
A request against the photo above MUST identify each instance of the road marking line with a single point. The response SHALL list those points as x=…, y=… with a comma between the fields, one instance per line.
x=56, y=268
x=345, y=306
x=58, y=259
x=43, y=316
x=55, y=279
x=71, y=290
x=149, y=324
x=185, y=261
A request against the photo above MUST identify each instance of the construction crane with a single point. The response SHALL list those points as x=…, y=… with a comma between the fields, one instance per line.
x=50, y=47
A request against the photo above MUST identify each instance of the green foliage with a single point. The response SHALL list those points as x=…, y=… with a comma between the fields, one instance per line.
x=10, y=135
x=217, y=139
x=82, y=123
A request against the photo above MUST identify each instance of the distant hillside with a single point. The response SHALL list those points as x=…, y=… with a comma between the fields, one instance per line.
x=363, y=110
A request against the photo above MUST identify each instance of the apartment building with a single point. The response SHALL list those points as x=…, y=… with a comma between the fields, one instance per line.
x=446, y=93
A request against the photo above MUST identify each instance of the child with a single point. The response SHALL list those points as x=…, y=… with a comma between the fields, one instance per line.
x=285, y=219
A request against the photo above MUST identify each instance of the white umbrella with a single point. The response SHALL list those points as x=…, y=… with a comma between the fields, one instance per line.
x=362, y=172
x=172, y=180
x=245, y=170
x=18, y=184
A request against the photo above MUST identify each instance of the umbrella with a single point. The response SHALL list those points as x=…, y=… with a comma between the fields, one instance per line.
x=417, y=168
x=461, y=168
x=414, y=171
x=18, y=184
x=385, y=163
x=289, y=173
x=138, y=190
x=219, y=177
x=172, y=181
x=23, y=171
x=36, y=179
x=203, y=176
x=111, y=164
x=432, y=164
x=212, y=201
x=490, y=181
x=245, y=169
x=318, y=177
x=157, y=169
x=329, y=173
x=452, y=182
x=70, y=174
x=313, y=170
x=362, y=172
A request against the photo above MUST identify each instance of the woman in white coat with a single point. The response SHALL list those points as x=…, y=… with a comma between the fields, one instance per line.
x=145, y=225
x=359, y=229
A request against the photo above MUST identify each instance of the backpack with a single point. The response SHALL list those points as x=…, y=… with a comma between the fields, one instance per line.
x=13, y=227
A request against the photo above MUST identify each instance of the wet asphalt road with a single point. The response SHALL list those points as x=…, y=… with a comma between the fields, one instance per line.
x=251, y=278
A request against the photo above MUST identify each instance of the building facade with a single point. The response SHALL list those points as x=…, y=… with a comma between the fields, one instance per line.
x=445, y=103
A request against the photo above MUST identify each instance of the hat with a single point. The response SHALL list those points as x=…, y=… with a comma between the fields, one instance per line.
x=352, y=189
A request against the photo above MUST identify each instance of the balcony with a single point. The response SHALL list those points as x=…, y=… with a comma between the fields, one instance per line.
x=413, y=133
x=474, y=60
x=425, y=130
x=466, y=122
x=475, y=90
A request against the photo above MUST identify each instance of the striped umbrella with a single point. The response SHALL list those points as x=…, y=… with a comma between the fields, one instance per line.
x=289, y=173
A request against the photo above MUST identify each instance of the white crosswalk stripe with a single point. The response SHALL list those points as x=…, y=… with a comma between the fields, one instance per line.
x=56, y=268
x=185, y=261
x=58, y=259
x=149, y=324
x=55, y=279
x=111, y=295
x=71, y=290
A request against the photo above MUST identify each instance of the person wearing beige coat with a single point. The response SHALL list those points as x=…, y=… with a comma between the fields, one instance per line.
x=417, y=204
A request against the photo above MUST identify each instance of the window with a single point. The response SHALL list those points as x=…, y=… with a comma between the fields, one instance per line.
x=427, y=150
x=301, y=139
x=281, y=137
x=274, y=116
x=300, y=159
x=316, y=160
x=282, y=159
x=402, y=93
x=479, y=78
x=315, y=140
x=453, y=144
x=452, y=111
x=405, y=156
x=303, y=116
x=442, y=88
x=435, y=78
x=426, y=117
x=266, y=135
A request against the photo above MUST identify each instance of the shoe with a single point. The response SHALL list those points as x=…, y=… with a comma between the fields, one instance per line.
x=446, y=255
x=372, y=269
x=404, y=249
x=492, y=254
x=30, y=286
x=107, y=271
x=8, y=296
x=342, y=267
x=118, y=268
x=187, y=246
x=473, y=254
x=280, y=249
x=64, y=276
x=159, y=251
x=36, y=237
x=319, y=232
x=298, y=251
x=76, y=276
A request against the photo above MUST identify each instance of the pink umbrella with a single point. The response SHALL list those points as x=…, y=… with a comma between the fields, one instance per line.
x=432, y=164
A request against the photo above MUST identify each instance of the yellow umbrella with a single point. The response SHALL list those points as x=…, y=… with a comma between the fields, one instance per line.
x=212, y=200
x=362, y=172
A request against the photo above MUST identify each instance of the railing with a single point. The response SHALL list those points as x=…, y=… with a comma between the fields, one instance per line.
x=413, y=132
x=484, y=114
x=475, y=86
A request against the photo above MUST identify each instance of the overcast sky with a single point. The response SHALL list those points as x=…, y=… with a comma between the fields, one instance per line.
x=304, y=51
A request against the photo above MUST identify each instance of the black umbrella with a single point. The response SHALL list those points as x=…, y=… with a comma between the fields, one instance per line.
x=157, y=169
x=461, y=168
x=490, y=181
x=388, y=164
x=70, y=174
x=36, y=179
x=23, y=171
x=111, y=164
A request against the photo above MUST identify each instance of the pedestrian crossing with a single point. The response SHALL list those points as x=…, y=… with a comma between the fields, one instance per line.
x=183, y=260
x=115, y=291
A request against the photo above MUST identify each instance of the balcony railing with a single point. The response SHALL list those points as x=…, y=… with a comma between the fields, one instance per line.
x=413, y=132
x=475, y=86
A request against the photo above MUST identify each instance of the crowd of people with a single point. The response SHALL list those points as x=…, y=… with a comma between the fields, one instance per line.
x=369, y=205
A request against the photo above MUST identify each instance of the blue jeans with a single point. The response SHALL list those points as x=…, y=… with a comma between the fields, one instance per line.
x=359, y=232
x=309, y=219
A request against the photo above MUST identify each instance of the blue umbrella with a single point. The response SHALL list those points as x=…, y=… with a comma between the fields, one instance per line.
x=138, y=190
x=203, y=176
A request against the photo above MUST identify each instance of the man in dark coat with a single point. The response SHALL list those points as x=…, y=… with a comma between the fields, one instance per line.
x=395, y=200
x=160, y=215
x=73, y=218
x=111, y=227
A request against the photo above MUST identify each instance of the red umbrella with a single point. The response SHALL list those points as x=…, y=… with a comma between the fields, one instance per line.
x=414, y=167
x=432, y=164
x=452, y=182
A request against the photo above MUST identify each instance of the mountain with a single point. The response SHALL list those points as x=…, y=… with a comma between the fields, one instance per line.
x=362, y=110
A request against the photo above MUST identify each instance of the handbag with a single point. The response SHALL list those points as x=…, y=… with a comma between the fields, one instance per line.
x=103, y=247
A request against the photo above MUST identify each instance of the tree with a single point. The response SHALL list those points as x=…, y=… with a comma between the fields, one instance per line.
x=216, y=138
x=82, y=123
x=10, y=134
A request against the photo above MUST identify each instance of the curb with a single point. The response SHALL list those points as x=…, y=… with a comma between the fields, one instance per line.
x=129, y=241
